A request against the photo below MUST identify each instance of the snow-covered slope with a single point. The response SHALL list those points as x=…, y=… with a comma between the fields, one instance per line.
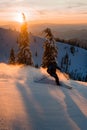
x=8, y=40
x=26, y=105
x=77, y=61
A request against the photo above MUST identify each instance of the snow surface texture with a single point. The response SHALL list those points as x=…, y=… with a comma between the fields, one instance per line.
x=26, y=105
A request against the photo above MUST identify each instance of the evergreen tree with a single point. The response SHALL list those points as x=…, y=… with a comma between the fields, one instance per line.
x=24, y=54
x=72, y=49
x=86, y=78
x=65, y=62
x=36, y=54
x=50, y=49
x=12, y=57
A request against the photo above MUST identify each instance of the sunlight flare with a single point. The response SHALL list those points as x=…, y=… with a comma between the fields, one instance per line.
x=19, y=18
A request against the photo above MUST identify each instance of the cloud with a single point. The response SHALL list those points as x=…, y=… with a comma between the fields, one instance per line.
x=42, y=12
x=47, y=9
x=9, y=3
x=83, y=12
x=77, y=5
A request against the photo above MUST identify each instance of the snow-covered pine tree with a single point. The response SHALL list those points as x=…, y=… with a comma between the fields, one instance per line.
x=24, y=55
x=12, y=57
x=50, y=49
x=65, y=62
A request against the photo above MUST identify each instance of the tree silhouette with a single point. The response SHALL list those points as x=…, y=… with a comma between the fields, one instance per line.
x=24, y=54
x=12, y=57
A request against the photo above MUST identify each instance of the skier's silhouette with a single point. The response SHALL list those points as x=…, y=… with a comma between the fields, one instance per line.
x=51, y=69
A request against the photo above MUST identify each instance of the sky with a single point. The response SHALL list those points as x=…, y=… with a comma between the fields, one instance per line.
x=44, y=11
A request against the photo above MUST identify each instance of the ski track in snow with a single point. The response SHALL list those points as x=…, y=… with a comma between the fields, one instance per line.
x=26, y=105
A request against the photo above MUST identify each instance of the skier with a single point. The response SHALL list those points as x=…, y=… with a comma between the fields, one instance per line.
x=51, y=69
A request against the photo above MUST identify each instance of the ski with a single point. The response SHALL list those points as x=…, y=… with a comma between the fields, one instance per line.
x=66, y=85
x=38, y=80
x=62, y=84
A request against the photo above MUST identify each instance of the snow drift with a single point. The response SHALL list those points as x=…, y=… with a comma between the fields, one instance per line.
x=26, y=105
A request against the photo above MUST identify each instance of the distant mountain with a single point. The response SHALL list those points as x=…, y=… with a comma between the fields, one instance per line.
x=77, y=57
x=65, y=32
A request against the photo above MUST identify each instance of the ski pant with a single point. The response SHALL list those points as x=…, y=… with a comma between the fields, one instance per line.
x=56, y=77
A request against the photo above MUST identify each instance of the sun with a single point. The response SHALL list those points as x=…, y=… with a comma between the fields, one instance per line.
x=19, y=18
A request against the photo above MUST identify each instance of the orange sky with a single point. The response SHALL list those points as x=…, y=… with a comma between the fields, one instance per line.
x=47, y=11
